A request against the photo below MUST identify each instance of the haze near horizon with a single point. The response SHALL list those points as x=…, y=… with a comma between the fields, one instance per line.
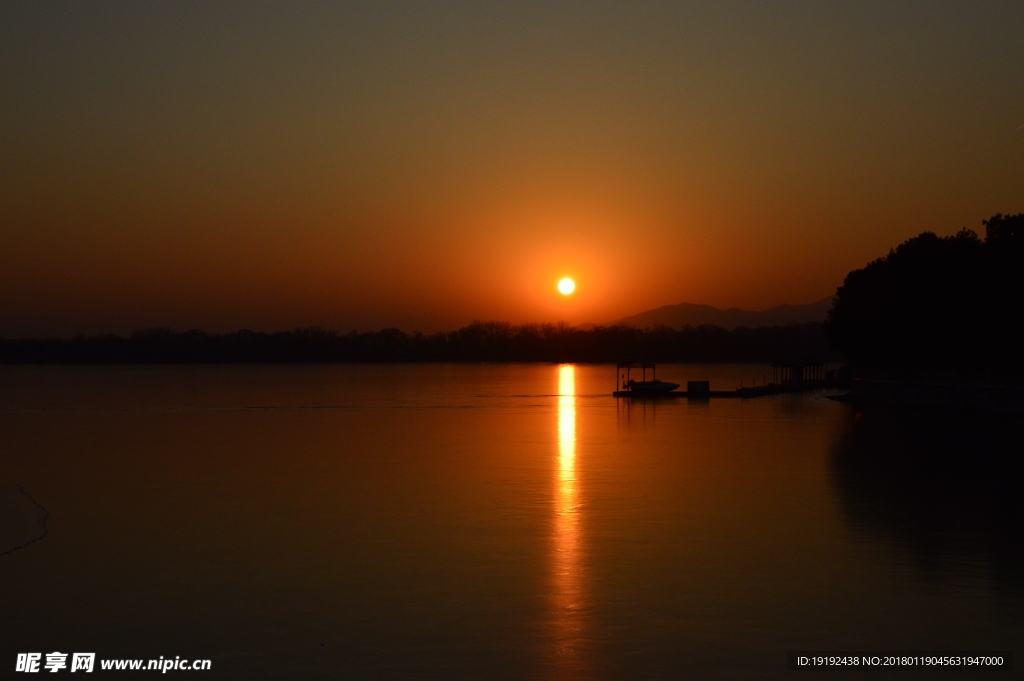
x=365, y=166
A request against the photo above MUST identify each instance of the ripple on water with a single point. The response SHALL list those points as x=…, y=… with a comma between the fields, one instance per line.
x=22, y=520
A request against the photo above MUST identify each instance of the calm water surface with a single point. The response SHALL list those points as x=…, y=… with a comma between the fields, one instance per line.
x=492, y=522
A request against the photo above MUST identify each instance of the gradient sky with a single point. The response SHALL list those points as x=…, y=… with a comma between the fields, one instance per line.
x=363, y=165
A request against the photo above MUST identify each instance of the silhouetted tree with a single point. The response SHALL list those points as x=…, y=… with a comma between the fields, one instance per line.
x=1004, y=230
x=936, y=303
x=478, y=342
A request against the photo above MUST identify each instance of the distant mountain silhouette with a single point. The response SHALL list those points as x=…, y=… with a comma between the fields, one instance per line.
x=678, y=316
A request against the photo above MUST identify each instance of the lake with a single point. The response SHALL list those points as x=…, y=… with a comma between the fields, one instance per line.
x=493, y=521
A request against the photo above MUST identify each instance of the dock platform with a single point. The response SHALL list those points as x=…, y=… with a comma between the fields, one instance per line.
x=759, y=391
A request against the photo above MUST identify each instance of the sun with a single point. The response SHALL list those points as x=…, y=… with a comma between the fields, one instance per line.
x=566, y=286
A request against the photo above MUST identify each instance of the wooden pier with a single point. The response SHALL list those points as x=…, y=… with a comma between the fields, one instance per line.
x=791, y=376
x=759, y=391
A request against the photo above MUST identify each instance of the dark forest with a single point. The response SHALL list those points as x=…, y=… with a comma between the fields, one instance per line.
x=937, y=303
x=478, y=342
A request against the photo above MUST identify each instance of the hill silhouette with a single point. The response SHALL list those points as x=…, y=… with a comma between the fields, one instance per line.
x=692, y=314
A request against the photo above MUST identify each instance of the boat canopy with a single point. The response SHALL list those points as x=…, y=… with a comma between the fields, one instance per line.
x=642, y=366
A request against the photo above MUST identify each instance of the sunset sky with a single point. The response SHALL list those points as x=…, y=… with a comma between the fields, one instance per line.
x=221, y=165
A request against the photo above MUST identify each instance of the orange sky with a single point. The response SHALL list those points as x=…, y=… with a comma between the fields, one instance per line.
x=232, y=165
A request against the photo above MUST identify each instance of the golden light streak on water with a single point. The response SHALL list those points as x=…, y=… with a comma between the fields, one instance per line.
x=567, y=568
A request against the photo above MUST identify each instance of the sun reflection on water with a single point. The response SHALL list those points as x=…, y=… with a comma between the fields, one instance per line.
x=567, y=583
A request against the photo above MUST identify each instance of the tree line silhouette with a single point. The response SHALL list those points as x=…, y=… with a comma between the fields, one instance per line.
x=937, y=303
x=478, y=342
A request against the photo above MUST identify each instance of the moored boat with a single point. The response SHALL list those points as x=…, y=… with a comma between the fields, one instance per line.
x=642, y=388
